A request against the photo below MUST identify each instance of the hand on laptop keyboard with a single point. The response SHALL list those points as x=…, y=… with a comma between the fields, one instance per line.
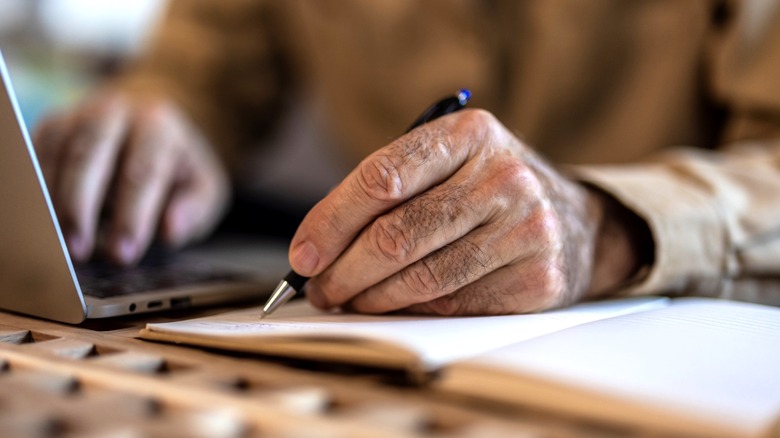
x=142, y=158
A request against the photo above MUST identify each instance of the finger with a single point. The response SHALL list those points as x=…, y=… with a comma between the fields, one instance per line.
x=408, y=166
x=49, y=141
x=534, y=276
x=403, y=236
x=525, y=288
x=441, y=273
x=145, y=177
x=518, y=226
x=85, y=170
x=198, y=199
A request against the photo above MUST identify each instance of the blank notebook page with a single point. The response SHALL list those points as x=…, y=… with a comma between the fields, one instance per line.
x=716, y=360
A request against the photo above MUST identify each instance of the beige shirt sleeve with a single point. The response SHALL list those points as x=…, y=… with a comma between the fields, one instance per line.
x=715, y=215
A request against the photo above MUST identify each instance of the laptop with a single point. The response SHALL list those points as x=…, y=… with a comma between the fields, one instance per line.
x=37, y=276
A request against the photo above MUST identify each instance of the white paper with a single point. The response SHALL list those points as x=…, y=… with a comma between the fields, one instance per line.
x=717, y=360
x=437, y=340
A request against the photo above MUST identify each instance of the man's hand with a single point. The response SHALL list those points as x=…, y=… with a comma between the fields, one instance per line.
x=136, y=163
x=460, y=217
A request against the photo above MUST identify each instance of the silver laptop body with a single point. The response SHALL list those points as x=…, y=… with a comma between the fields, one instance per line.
x=37, y=276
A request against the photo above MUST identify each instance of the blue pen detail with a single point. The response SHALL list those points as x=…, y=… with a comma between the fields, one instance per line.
x=443, y=107
x=463, y=96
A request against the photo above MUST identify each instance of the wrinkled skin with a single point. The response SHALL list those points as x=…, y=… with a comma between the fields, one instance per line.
x=459, y=217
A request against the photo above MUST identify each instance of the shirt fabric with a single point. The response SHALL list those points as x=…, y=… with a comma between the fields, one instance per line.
x=670, y=106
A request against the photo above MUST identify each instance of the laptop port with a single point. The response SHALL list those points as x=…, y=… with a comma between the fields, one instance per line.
x=154, y=304
x=180, y=303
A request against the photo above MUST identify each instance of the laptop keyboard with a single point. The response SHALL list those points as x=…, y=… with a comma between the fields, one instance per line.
x=155, y=272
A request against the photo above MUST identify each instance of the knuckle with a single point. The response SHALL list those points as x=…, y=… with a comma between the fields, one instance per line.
x=379, y=177
x=545, y=285
x=393, y=241
x=513, y=175
x=422, y=279
x=552, y=280
x=88, y=136
x=140, y=172
x=512, y=186
x=475, y=261
x=431, y=142
x=81, y=152
x=482, y=124
x=97, y=110
x=157, y=111
x=158, y=121
x=477, y=117
x=544, y=225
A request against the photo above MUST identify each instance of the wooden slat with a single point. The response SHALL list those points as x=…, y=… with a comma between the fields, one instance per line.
x=14, y=336
x=71, y=348
x=99, y=380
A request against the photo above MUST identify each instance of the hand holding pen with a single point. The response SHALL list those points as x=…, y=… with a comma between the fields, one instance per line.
x=459, y=216
x=293, y=283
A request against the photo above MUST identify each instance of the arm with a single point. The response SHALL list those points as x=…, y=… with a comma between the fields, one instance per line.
x=438, y=222
x=714, y=214
x=714, y=219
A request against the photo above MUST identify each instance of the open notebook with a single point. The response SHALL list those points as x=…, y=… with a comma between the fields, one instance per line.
x=687, y=366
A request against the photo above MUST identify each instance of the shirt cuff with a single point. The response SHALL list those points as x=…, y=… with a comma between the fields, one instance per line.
x=686, y=226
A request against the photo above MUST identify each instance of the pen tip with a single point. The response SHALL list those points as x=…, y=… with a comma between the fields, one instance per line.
x=262, y=314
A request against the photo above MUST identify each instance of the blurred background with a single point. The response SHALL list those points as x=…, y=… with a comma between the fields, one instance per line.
x=56, y=49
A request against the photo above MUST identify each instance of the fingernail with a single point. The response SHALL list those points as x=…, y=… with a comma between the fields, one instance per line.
x=304, y=259
x=77, y=247
x=127, y=251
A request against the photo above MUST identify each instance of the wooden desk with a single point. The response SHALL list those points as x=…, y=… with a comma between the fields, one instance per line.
x=99, y=380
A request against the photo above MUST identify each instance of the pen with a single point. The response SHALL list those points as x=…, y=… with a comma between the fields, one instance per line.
x=292, y=284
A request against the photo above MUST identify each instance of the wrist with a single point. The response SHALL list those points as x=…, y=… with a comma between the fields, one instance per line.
x=623, y=246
